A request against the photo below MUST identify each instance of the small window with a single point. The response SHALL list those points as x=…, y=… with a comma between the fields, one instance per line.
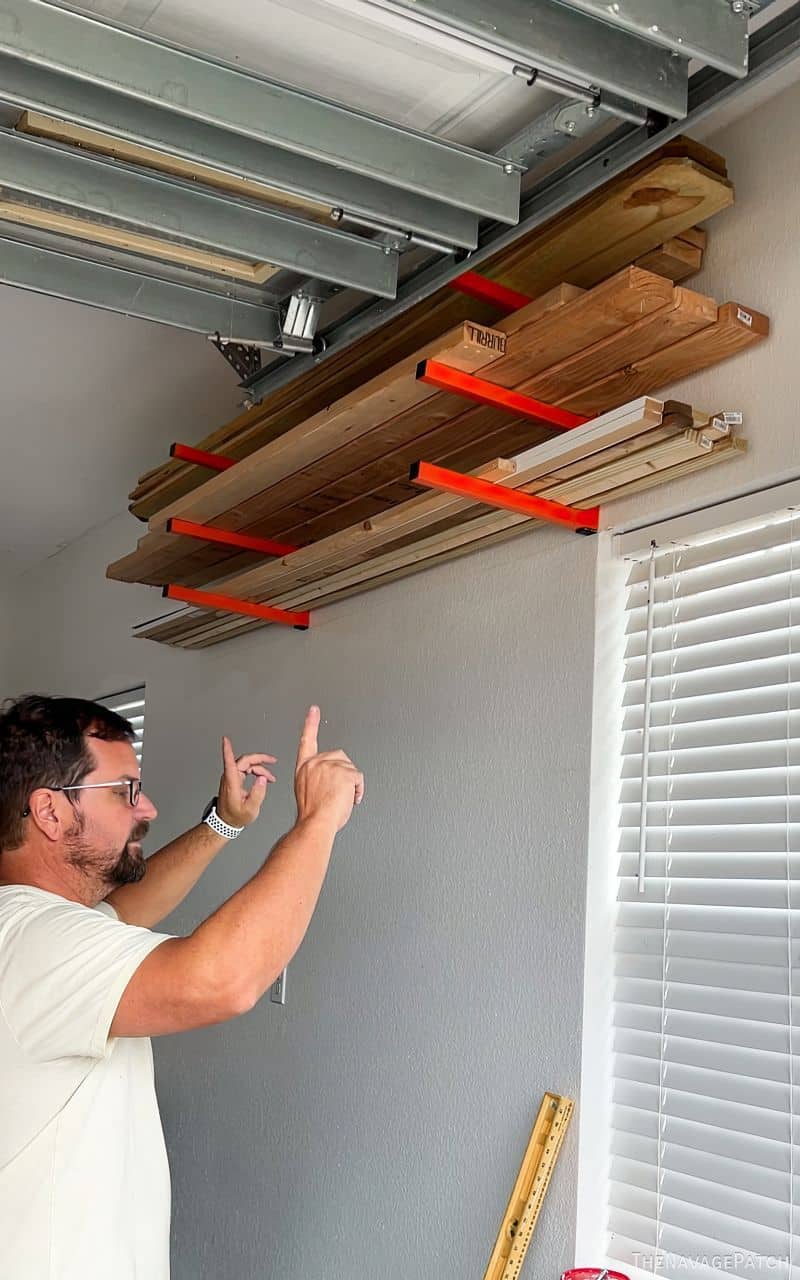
x=130, y=704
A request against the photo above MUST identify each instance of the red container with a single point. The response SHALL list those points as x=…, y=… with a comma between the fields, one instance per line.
x=591, y=1273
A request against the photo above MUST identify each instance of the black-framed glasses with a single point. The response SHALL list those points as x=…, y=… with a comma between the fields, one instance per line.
x=134, y=786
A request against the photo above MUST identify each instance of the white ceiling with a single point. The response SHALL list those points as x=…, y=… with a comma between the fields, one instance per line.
x=90, y=399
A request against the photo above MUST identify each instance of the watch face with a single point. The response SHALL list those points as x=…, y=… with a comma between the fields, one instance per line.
x=208, y=808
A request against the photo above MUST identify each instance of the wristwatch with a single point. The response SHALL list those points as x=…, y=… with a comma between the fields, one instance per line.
x=212, y=819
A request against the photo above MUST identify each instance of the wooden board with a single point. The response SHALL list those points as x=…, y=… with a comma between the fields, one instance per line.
x=737, y=328
x=385, y=399
x=197, y=628
x=368, y=485
x=351, y=546
x=701, y=183
x=628, y=217
x=312, y=499
x=118, y=237
x=677, y=259
x=546, y=331
x=103, y=144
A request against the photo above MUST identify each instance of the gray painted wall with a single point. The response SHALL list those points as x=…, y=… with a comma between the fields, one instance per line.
x=375, y=1124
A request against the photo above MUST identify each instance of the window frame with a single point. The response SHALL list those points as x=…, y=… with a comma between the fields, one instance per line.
x=616, y=547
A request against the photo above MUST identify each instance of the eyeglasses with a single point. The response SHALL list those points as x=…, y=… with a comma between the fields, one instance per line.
x=134, y=786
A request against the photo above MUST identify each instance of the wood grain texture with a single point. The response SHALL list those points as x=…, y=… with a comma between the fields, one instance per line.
x=535, y=472
x=635, y=219
x=677, y=259
x=393, y=401
x=200, y=629
x=617, y=224
x=118, y=237
x=367, y=473
x=737, y=328
x=550, y=330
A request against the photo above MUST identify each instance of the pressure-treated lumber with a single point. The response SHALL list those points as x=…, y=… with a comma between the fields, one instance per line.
x=366, y=485
x=325, y=503
x=631, y=215
x=737, y=328
x=677, y=259
x=313, y=466
x=383, y=353
x=469, y=347
x=359, y=542
x=199, y=630
x=531, y=471
x=118, y=237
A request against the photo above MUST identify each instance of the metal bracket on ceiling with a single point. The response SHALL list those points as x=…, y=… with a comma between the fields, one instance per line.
x=397, y=239
x=549, y=133
x=243, y=358
x=299, y=325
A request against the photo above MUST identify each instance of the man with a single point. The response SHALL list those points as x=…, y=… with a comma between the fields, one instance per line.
x=84, y=983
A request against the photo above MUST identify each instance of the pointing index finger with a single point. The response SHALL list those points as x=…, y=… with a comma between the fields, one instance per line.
x=229, y=761
x=308, y=738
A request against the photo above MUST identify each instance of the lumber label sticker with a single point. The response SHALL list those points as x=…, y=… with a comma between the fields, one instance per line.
x=491, y=339
x=745, y=317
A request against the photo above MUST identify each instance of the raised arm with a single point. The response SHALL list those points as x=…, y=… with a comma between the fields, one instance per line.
x=172, y=872
x=230, y=960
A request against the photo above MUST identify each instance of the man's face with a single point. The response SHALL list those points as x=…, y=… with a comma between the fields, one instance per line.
x=104, y=840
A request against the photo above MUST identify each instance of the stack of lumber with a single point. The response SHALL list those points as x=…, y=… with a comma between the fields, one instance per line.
x=647, y=216
x=586, y=350
x=625, y=451
x=323, y=466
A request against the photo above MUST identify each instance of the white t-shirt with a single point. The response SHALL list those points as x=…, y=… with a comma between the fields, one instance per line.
x=84, y=1180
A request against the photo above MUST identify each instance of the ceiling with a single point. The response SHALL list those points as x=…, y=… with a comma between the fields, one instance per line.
x=341, y=49
x=91, y=399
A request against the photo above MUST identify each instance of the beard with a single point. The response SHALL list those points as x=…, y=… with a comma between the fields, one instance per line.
x=112, y=869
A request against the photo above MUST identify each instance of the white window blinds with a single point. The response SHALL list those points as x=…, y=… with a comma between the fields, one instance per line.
x=130, y=705
x=704, y=1167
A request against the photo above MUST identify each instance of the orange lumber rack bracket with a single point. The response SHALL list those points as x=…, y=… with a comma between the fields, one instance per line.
x=474, y=285
x=229, y=604
x=428, y=476
x=214, y=461
x=474, y=388
x=244, y=541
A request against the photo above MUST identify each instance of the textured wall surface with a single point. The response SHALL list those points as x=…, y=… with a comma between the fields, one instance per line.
x=375, y=1125
x=752, y=258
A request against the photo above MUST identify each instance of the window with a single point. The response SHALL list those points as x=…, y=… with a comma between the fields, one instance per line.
x=705, y=1166
x=130, y=704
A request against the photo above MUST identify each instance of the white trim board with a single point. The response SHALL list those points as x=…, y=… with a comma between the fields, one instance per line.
x=757, y=505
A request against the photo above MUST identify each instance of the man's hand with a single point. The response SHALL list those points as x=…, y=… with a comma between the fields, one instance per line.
x=236, y=805
x=326, y=784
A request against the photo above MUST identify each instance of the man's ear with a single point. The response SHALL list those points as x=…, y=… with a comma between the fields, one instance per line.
x=44, y=813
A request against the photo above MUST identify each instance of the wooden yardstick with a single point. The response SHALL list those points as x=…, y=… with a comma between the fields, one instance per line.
x=526, y=1200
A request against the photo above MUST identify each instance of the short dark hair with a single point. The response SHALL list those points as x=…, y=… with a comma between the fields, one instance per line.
x=43, y=744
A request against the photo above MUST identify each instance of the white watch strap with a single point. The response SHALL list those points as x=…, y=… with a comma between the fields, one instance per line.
x=214, y=821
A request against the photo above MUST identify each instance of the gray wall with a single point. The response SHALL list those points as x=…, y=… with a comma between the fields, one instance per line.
x=376, y=1122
